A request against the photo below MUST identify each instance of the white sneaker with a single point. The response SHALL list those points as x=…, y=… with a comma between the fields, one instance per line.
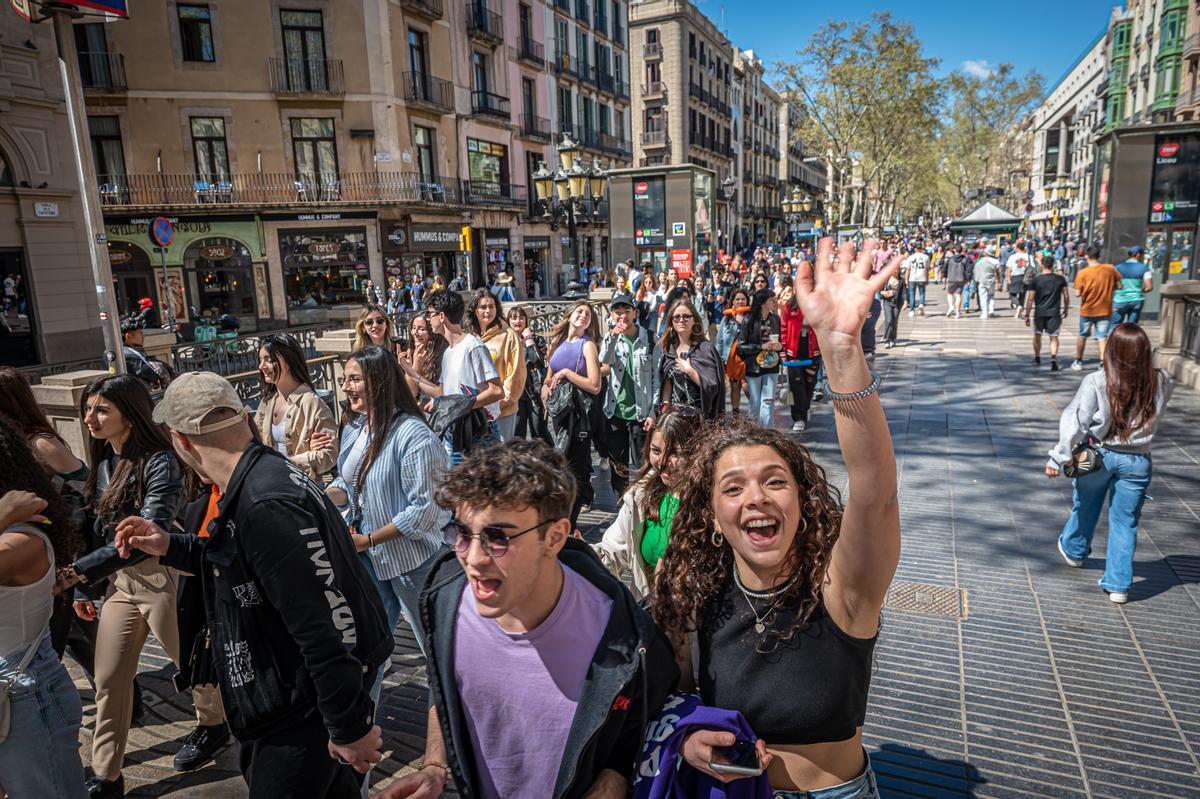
x=1076, y=366
x=910, y=312
x=1118, y=597
x=798, y=427
x=1072, y=562
x=604, y=464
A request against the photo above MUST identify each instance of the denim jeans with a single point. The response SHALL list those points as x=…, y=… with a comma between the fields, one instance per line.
x=40, y=757
x=861, y=787
x=968, y=287
x=1126, y=312
x=1123, y=479
x=401, y=594
x=916, y=295
x=507, y=427
x=760, y=397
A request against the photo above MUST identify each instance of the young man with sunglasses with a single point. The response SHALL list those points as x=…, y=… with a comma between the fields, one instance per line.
x=543, y=670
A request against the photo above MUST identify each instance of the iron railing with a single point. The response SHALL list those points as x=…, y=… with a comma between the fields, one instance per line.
x=535, y=127
x=432, y=9
x=34, y=374
x=495, y=105
x=531, y=51
x=306, y=76
x=485, y=192
x=427, y=90
x=232, y=356
x=654, y=138
x=321, y=370
x=102, y=71
x=652, y=50
x=272, y=189
x=484, y=24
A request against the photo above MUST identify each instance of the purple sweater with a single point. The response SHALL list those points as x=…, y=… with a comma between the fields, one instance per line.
x=662, y=774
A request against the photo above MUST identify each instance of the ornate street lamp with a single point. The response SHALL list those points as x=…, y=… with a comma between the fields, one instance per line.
x=565, y=192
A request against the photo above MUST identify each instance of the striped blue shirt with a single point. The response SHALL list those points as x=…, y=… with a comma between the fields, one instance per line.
x=399, y=490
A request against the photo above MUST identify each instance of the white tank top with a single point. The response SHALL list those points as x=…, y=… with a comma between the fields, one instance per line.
x=25, y=609
x=279, y=437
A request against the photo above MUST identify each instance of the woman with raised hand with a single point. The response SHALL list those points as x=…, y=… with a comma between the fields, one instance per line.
x=1118, y=409
x=40, y=755
x=485, y=319
x=290, y=413
x=780, y=583
x=424, y=353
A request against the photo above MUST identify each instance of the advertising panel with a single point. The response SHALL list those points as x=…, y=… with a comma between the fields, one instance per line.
x=649, y=211
x=1175, y=187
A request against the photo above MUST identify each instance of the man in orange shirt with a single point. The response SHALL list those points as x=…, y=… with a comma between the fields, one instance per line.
x=1094, y=285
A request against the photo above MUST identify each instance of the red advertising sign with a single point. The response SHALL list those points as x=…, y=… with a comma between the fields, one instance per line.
x=1169, y=149
x=641, y=188
x=681, y=262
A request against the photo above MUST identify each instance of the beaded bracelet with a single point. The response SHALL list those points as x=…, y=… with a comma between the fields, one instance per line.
x=862, y=393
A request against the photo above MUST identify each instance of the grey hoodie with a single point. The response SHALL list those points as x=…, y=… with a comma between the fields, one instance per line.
x=1088, y=414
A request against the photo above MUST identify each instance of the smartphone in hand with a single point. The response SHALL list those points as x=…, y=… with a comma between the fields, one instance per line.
x=740, y=759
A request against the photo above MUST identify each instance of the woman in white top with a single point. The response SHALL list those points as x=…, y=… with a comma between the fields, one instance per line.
x=40, y=756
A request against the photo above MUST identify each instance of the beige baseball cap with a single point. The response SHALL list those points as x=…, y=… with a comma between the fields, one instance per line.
x=193, y=396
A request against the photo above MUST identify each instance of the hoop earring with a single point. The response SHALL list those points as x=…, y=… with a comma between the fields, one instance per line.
x=715, y=538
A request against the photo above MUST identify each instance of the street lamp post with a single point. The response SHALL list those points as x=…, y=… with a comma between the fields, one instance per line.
x=727, y=193
x=795, y=207
x=564, y=192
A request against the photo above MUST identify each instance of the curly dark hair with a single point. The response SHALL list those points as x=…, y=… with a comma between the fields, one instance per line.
x=515, y=474
x=694, y=571
x=20, y=470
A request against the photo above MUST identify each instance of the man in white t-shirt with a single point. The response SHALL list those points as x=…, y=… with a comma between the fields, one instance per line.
x=916, y=267
x=466, y=366
x=1014, y=277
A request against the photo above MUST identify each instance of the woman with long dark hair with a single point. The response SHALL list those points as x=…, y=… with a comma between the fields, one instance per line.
x=133, y=472
x=759, y=345
x=637, y=539
x=646, y=296
x=688, y=372
x=799, y=345
x=423, y=352
x=531, y=414
x=374, y=326
x=1118, y=409
x=40, y=756
x=485, y=319
x=575, y=358
x=18, y=404
x=780, y=583
x=389, y=463
x=290, y=412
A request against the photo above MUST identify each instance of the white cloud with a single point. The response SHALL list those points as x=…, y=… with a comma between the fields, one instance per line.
x=978, y=69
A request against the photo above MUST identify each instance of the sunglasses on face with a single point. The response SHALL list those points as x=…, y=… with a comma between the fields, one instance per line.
x=682, y=317
x=375, y=323
x=492, y=538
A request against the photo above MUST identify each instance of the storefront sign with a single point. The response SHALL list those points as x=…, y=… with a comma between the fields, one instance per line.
x=396, y=238
x=325, y=216
x=649, y=211
x=681, y=262
x=537, y=242
x=324, y=248
x=496, y=242
x=433, y=238
x=137, y=226
x=1175, y=186
x=217, y=252
x=119, y=256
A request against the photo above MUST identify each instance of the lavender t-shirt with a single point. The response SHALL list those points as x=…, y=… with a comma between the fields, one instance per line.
x=519, y=690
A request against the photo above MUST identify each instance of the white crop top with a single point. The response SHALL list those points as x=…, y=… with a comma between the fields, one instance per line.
x=25, y=609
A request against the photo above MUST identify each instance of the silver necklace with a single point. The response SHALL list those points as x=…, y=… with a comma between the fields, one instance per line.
x=760, y=622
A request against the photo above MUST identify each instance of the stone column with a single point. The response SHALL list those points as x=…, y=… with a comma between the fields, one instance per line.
x=59, y=397
x=1063, y=154
x=339, y=343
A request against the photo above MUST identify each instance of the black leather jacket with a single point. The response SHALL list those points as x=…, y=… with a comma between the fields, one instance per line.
x=297, y=624
x=162, y=502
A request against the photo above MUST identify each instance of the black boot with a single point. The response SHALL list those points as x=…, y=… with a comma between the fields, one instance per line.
x=99, y=788
x=201, y=746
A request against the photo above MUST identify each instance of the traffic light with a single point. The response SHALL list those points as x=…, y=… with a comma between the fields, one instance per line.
x=464, y=239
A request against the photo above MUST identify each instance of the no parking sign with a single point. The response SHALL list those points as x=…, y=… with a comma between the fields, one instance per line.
x=161, y=231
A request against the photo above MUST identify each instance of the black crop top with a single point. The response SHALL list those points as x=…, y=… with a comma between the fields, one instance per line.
x=810, y=689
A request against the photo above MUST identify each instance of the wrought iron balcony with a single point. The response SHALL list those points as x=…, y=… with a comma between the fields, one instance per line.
x=654, y=138
x=431, y=9
x=488, y=104
x=654, y=90
x=535, y=127
x=484, y=25
x=652, y=50
x=425, y=90
x=102, y=72
x=484, y=192
x=531, y=51
x=306, y=76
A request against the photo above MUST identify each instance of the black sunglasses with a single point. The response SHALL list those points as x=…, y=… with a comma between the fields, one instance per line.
x=492, y=538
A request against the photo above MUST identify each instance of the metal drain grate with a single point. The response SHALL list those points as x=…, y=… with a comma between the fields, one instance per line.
x=934, y=600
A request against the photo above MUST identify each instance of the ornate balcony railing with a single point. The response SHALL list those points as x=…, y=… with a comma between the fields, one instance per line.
x=531, y=51
x=103, y=72
x=488, y=104
x=431, y=9
x=484, y=192
x=535, y=127
x=484, y=24
x=422, y=89
x=231, y=356
x=306, y=76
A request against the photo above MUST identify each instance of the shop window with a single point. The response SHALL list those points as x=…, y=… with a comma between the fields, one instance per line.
x=195, y=33
x=323, y=267
x=210, y=150
x=218, y=272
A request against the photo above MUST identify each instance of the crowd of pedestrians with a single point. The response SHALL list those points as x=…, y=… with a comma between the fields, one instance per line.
x=273, y=554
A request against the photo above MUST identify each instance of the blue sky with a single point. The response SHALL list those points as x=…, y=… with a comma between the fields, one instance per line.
x=1046, y=35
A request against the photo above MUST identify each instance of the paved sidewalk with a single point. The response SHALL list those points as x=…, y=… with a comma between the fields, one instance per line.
x=1009, y=674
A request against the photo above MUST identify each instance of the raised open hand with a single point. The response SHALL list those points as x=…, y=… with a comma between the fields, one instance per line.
x=835, y=295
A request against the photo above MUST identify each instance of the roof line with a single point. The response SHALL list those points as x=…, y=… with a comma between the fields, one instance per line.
x=1075, y=63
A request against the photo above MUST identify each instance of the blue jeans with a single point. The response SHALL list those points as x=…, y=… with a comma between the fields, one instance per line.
x=760, y=397
x=401, y=594
x=861, y=787
x=40, y=757
x=1101, y=324
x=916, y=295
x=1127, y=312
x=966, y=292
x=1123, y=478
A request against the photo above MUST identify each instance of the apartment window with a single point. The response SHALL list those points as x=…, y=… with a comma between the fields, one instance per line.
x=418, y=55
x=314, y=150
x=1050, y=162
x=105, y=133
x=652, y=36
x=304, y=50
x=562, y=38
x=1170, y=28
x=653, y=72
x=423, y=138
x=620, y=124
x=605, y=120
x=528, y=97
x=565, y=118
x=524, y=14
x=479, y=71
x=195, y=33
x=655, y=120
x=95, y=67
x=581, y=50
x=691, y=45
x=209, y=149
x=618, y=69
